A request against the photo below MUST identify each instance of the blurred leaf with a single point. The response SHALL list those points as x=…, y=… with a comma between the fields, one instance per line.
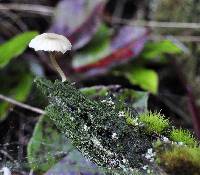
x=153, y=50
x=46, y=146
x=19, y=93
x=4, y=106
x=135, y=99
x=145, y=78
x=98, y=48
x=113, y=50
x=138, y=100
x=14, y=47
x=78, y=20
x=74, y=163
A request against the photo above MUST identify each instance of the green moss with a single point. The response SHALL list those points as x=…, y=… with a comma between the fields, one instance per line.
x=180, y=135
x=130, y=121
x=157, y=144
x=181, y=160
x=154, y=122
x=130, y=118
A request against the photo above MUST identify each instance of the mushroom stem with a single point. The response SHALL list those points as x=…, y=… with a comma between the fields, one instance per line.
x=57, y=67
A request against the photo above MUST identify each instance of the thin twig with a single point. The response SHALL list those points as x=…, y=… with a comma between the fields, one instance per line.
x=15, y=19
x=182, y=38
x=22, y=105
x=30, y=8
x=154, y=24
x=8, y=28
x=49, y=11
x=6, y=154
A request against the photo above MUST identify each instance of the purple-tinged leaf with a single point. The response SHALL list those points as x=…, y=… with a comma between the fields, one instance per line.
x=127, y=44
x=74, y=164
x=78, y=20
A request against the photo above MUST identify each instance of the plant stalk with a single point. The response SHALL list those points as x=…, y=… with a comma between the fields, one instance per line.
x=57, y=67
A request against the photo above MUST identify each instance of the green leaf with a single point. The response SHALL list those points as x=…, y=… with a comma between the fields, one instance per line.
x=47, y=146
x=14, y=47
x=19, y=93
x=145, y=78
x=158, y=49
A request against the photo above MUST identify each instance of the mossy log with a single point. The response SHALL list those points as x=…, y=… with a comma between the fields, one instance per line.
x=98, y=129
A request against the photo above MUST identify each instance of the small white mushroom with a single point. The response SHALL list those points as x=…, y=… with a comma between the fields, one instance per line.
x=52, y=43
x=6, y=171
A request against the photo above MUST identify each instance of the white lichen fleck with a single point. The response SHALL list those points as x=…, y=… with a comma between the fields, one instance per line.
x=114, y=136
x=85, y=128
x=103, y=101
x=148, y=171
x=96, y=142
x=121, y=114
x=165, y=139
x=145, y=167
x=150, y=155
x=180, y=143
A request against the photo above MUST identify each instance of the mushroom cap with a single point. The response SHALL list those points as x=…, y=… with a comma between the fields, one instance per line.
x=50, y=42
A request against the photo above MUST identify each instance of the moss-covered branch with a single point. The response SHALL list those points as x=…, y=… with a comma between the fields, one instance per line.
x=98, y=129
x=113, y=136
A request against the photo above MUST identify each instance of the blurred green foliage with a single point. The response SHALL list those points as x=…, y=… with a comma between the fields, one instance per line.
x=147, y=79
x=95, y=50
x=157, y=50
x=20, y=90
x=14, y=47
x=47, y=146
x=16, y=78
